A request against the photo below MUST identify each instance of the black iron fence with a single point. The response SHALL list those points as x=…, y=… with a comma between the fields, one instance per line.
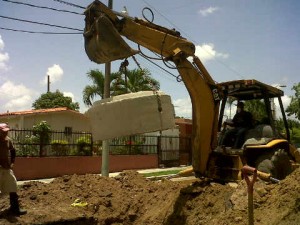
x=172, y=148
x=28, y=143
x=134, y=145
x=60, y=143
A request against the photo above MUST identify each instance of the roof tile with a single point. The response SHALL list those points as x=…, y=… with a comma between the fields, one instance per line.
x=36, y=111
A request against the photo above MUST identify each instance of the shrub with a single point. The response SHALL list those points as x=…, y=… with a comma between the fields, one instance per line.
x=42, y=132
x=60, y=147
x=84, y=145
x=97, y=148
x=28, y=146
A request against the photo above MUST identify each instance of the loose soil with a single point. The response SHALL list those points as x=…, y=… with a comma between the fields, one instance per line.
x=131, y=199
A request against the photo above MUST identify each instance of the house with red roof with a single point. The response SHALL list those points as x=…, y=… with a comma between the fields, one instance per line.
x=61, y=119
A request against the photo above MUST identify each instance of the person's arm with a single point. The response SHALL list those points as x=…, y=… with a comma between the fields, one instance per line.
x=12, y=154
x=230, y=122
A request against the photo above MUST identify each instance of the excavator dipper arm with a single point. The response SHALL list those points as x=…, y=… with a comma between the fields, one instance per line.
x=103, y=43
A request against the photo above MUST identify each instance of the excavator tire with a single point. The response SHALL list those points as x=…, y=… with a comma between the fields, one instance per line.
x=276, y=163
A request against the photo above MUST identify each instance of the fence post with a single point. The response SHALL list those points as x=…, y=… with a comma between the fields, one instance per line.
x=159, y=150
x=130, y=143
x=42, y=136
x=92, y=144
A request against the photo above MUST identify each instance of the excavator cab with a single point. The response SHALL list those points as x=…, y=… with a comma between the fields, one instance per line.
x=264, y=146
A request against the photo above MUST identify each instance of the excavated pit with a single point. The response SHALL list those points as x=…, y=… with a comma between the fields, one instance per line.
x=131, y=199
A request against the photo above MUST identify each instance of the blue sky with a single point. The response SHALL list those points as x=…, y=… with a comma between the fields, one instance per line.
x=234, y=39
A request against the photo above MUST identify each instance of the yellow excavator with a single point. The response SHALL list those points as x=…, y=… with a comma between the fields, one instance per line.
x=104, y=29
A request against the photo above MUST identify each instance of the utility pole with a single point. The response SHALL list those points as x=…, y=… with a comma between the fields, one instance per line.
x=105, y=143
x=48, y=83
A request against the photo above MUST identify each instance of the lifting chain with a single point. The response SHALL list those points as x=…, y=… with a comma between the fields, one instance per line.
x=123, y=67
x=155, y=91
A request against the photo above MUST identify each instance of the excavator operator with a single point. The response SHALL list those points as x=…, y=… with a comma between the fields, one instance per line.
x=241, y=123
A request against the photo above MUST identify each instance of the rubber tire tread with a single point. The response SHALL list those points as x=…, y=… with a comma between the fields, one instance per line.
x=277, y=164
x=281, y=162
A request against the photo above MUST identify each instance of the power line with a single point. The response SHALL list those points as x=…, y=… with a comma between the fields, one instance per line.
x=45, y=24
x=42, y=7
x=68, y=3
x=159, y=71
x=225, y=65
x=35, y=32
x=158, y=66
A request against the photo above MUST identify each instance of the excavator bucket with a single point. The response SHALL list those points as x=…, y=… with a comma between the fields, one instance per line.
x=103, y=42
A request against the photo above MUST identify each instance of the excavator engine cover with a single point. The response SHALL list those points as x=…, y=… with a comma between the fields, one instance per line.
x=103, y=42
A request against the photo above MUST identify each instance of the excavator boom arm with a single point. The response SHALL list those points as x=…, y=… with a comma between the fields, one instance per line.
x=103, y=43
x=107, y=25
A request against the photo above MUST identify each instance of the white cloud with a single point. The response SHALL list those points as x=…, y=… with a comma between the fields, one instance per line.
x=1, y=43
x=82, y=107
x=11, y=90
x=55, y=73
x=15, y=97
x=207, y=52
x=183, y=107
x=3, y=61
x=4, y=57
x=69, y=94
x=20, y=103
x=286, y=100
x=207, y=11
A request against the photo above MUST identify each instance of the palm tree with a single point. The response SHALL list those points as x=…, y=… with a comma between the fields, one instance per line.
x=97, y=88
x=133, y=81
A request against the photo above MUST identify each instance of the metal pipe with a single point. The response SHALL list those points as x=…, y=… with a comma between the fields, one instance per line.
x=105, y=143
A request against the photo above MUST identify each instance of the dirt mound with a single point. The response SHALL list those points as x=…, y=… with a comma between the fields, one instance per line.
x=131, y=199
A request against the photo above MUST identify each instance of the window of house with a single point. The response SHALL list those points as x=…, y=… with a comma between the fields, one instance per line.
x=68, y=130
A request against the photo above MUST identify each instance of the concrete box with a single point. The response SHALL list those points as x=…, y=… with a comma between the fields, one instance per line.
x=130, y=114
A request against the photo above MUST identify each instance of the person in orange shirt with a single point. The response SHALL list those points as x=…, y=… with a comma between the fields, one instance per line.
x=8, y=182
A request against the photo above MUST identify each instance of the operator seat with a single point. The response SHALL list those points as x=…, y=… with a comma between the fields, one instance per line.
x=260, y=131
x=261, y=134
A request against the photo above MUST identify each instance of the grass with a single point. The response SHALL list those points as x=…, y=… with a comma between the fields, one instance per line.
x=161, y=173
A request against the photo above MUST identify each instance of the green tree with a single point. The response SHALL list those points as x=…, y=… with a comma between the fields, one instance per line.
x=294, y=106
x=257, y=108
x=54, y=100
x=133, y=81
x=97, y=88
x=294, y=127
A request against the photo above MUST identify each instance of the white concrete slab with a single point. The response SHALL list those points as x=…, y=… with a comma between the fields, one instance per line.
x=130, y=114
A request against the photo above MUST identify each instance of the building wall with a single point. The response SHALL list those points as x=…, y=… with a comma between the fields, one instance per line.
x=57, y=121
x=15, y=122
x=185, y=127
x=28, y=168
